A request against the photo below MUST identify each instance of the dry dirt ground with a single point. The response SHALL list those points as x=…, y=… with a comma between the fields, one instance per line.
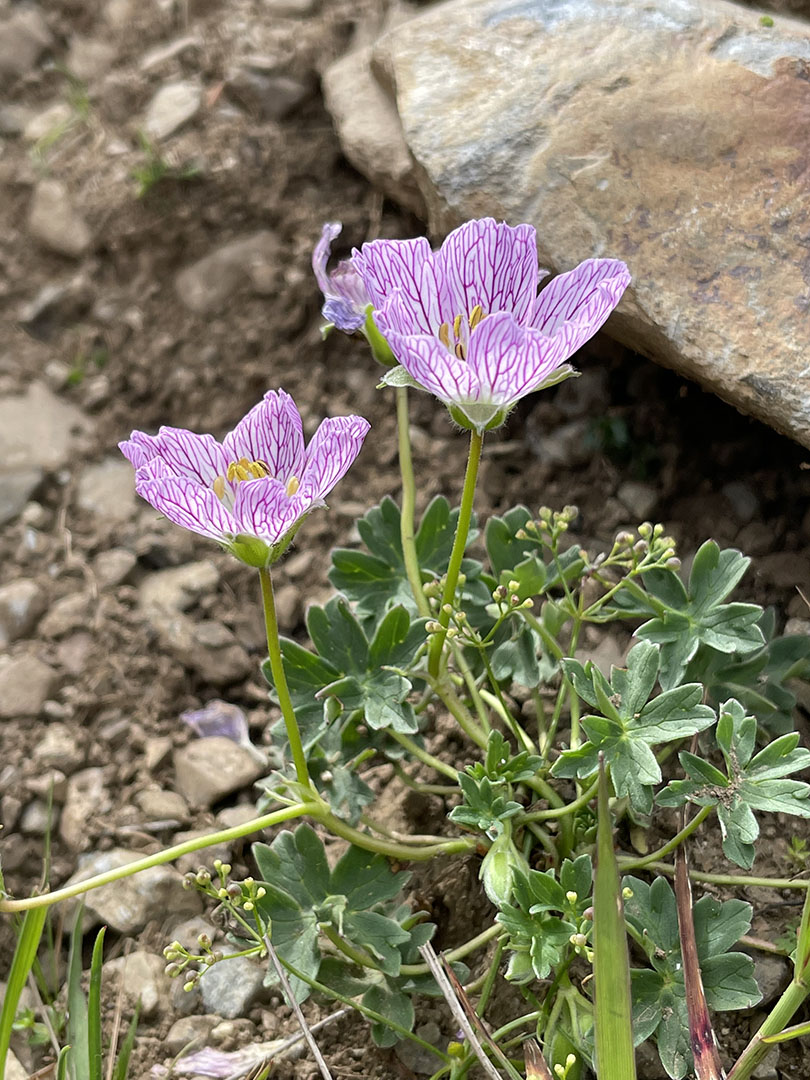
x=115, y=345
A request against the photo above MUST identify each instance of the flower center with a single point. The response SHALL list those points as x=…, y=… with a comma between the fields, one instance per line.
x=243, y=469
x=461, y=328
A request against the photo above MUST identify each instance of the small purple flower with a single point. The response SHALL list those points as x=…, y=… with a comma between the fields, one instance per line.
x=345, y=295
x=466, y=322
x=251, y=491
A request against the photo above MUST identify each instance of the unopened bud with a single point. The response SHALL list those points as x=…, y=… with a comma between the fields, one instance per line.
x=513, y=586
x=203, y=876
x=260, y=892
x=571, y=896
x=447, y=609
x=204, y=941
x=234, y=891
x=433, y=627
x=579, y=940
x=627, y=893
x=189, y=986
x=645, y=529
x=172, y=970
x=515, y=601
x=641, y=547
x=623, y=539
x=673, y=564
x=248, y=905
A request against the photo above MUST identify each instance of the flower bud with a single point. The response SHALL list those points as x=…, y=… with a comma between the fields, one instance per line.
x=645, y=529
x=571, y=896
x=204, y=941
x=203, y=876
x=673, y=564
x=234, y=891
x=172, y=970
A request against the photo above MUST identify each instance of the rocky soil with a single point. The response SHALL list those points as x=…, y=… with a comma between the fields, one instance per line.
x=166, y=168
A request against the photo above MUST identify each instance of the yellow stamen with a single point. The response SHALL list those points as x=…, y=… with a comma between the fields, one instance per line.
x=293, y=485
x=444, y=335
x=219, y=487
x=460, y=351
x=247, y=470
x=457, y=325
x=476, y=315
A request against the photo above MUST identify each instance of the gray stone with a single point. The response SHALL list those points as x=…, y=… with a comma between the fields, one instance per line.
x=232, y=987
x=70, y=613
x=48, y=122
x=13, y=118
x=113, y=567
x=772, y=974
x=192, y=862
x=36, y=819
x=171, y=107
x=55, y=223
x=209, y=769
x=208, y=648
x=26, y=683
x=686, y=169
x=188, y=931
x=38, y=430
x=744, y=501
x=158, y=805
x=58, y=747
x=142, y=977
x=57, y=306
x=178, y=588
x=272, y=97
x=87, y=797
x=89, y=58
x=415, y=1057
x=291, y=8
x=164, y=52
x=189, y=1033
x=16, y=489
x=370, y=130
x=784, y=569
x=206, y=285
x=24, y=37
x=108, y=490
x=638, y=499
x=21, y=604
x=127, y=905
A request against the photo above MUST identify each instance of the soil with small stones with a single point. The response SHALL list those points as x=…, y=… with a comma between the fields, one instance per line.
x=626, y=441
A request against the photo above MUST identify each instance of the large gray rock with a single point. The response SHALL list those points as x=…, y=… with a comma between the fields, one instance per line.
x=206, y=285
x=669, y=133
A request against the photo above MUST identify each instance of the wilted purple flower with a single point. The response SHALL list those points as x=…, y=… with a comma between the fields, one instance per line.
x=251, y=491
x=345, y=295
x=466, y=321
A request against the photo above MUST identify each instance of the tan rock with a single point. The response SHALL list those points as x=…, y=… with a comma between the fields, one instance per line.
x=670, y=133
x=209, y=769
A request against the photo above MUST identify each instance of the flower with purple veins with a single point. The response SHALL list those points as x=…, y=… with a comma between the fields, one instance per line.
x=346, y=300
x=251, y=491
x=466, y=322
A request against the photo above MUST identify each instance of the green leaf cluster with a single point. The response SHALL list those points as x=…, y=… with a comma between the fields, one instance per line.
x=538, y=940
x=747, y=781
x=629, y=724
x=659, y=994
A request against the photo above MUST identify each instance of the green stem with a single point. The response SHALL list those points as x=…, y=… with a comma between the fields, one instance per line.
x=489, y=981
x=392, y=849
x=558, y=812
x=459, y=953
x=280, y=681
x=740, y=881
x=362, y=959
x=406, y=519
x=457, y=554
x=460, y=713
x=224, y=836
x=422, y=755
x=776, y=1020
x=469, y=679
x=676, y=841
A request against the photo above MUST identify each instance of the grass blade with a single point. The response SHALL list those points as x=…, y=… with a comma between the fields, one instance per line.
x=615, y=1056
x=94, y=1054
x=62, y=1063
x=77, y=1005
x=122, y=1062
x=24, y=956
x=701, y=1031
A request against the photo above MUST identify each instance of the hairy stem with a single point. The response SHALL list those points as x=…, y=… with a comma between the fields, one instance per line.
x=280, y=681
x=406, y=519
x=457, y=554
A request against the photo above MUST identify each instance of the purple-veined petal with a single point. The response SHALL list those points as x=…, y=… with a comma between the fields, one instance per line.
x=493, y=265
x=139, y=448
x=595, y=285
x=509, y=360
x=320, y=255
x=333, y=448
x=186, y=503
x=271, y=433
x=264, y=509
x=435, y=368
x=185, y=453
x=405, y=268
x=345, y=295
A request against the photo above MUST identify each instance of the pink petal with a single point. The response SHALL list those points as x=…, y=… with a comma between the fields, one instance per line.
x=264, y=509
x=333, y=448
x=493, y=265
x=197, y=457
x=403, y=269
x=509, y=360
x=584, y=296
x=320, y=256
x=139, y=448
x=271, y=433
x=435, y=368
x=186, y=503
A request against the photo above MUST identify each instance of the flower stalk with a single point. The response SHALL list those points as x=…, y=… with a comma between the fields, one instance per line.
x=409, y=555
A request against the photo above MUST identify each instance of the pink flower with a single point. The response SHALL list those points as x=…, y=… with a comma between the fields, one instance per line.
x=345, y=296
x=466, y=322
x=251, y=491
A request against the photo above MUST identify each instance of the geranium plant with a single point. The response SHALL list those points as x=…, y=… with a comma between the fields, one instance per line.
x=422, y=621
